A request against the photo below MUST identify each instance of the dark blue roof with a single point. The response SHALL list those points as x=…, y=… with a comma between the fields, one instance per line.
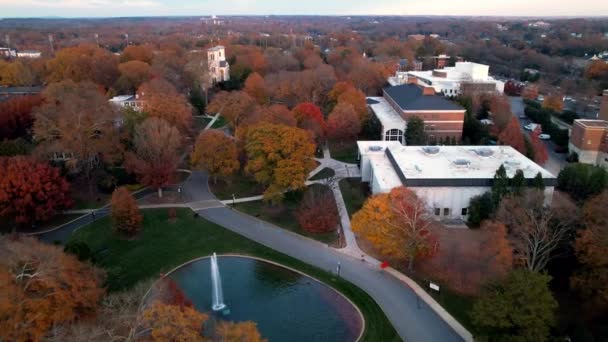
x=410, y=97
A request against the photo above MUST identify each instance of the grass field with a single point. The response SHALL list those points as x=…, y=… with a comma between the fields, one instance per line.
x=163, y=245
x=239, y=185
x=346, y=152
x=324, y=173
x=354, y=193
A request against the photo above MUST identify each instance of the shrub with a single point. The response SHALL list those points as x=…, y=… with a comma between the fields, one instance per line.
x=107, y=184
x=582, y=181
x=480, y=208
x=79, y=249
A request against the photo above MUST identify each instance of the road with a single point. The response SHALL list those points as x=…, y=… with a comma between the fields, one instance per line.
x=556, y=161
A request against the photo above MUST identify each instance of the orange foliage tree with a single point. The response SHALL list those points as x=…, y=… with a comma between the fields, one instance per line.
x=16, y=116
x=310, y=118
x=513, y=136
x=256, y=88
x=234, y=106
x=15, y=74
x=591, y=248
x=278, y=114
x=397, y=224
x=554, y=102
x=76, y=119
x=142, y=53
x=155, y=156
x=496, y=253
x=318, y=212
x=343, y=123
x=160, y=99
x=126, y=218
x=31, y=191
x=539, y=148
x=132, y=75
x=215, y=153
x=279, y=157
x=167, y=322
x=242, y=331
x=42, y=287
x=344, y=92
x=597, y=70
x=85, y=62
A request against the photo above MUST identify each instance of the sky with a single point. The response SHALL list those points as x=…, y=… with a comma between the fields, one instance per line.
x=129, y=8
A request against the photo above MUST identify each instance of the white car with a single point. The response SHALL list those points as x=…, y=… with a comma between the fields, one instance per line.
x=544, y=136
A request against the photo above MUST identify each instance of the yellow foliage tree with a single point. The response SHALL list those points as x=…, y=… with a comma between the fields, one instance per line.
x=280, y=157
x=215, y=153
x=397, y=224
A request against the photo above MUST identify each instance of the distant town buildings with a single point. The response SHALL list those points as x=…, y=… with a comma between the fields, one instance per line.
x=589, y=140
x=11, y=53
x=464, y=77
x=11, y=92
x=603, y=113
x=219, y=70
x=445, y=177
x=540, y=24
x=7, y=52
x=416, y=36
x=443, y=118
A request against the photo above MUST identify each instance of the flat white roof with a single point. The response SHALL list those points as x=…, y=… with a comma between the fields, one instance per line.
x=384, y=173
x=121, y=98
x=449, y=162
x=388, y=116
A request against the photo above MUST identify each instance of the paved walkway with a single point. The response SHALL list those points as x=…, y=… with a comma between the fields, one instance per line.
x=415, y=316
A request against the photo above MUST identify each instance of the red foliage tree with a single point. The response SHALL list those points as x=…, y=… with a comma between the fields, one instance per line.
x=168, y=292
x=343, y=122
x=15, y=116
x=539, y=148
x=31, y=191
x=310, y=118
x=256, y=88
x=318, y=212
x=513, y=136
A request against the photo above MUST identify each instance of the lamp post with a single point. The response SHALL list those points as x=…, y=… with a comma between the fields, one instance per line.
x=338, y=268
x=233, y=201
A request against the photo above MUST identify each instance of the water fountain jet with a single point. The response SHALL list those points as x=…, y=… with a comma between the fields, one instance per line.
x=216, y=291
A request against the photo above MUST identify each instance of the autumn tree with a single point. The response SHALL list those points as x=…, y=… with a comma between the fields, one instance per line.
x=256, y=88
x=554, y=102
x=310, y=118
x=234, y=106
x=42, y=287
x=512, y=135
x=215, y=153
x=279, y=157
x=76, y=120
x=539, y=149
x=16, y=116
x=160, y=99
x=242, y=331
x=126, y=218
x=520, y=308
x=343, y=123
x=31, y=191
x=15, y=74
x=414, y=133
x=536, y=230
x=141, y=53
x=85, y=62
x=165, y=322
x=397, y=224
x=591, y=248
x=132, y=75
x=344, y=92
x=155, y=156
x=317, y=212
x=277, y=114
x=496, y=252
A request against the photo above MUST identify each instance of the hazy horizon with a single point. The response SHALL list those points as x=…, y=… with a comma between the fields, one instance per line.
x=144, y=8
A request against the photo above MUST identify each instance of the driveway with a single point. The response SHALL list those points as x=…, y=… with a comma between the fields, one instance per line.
x=556, y=161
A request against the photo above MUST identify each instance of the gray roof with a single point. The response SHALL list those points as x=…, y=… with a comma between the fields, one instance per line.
x=20, y=90
x=409, y=97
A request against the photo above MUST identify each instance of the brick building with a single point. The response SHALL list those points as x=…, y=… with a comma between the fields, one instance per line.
x=603, y=115
x=442, y=117
x=589, y=139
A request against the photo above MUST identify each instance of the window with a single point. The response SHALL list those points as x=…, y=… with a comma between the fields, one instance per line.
x=437, y=211
x=394, y=135
x=446, y=211
x=464, y=211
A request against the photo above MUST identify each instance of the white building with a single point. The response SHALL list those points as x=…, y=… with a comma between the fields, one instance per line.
x=219, y=70
x=7, y=52
x=445, y=177
x=127, y=101
x=453, y=81
x=29, y=54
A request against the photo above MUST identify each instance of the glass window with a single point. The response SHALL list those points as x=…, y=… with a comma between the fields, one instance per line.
x=446, y=211
x=464, y=211
x=394, y=135
x=437, y=211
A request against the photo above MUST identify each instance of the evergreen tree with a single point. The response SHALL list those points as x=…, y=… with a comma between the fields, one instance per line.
x=500, y=186
x=414, y=133
x=517, y=182
x=538, y=182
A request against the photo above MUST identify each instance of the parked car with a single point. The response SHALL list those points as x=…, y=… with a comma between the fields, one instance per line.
x=544, y=136
x=523, y=116
x=531, y=127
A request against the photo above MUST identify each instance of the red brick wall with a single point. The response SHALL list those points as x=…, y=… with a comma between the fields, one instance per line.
x=585, y=138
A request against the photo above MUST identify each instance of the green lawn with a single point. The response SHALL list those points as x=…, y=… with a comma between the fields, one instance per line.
x=239, y=185
x=346, y=152
x=219, y=123
x=354, y=193
x=7, y=225
x=200, y=123
x=283, y=215
x=163, y=245
x=324, y=173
